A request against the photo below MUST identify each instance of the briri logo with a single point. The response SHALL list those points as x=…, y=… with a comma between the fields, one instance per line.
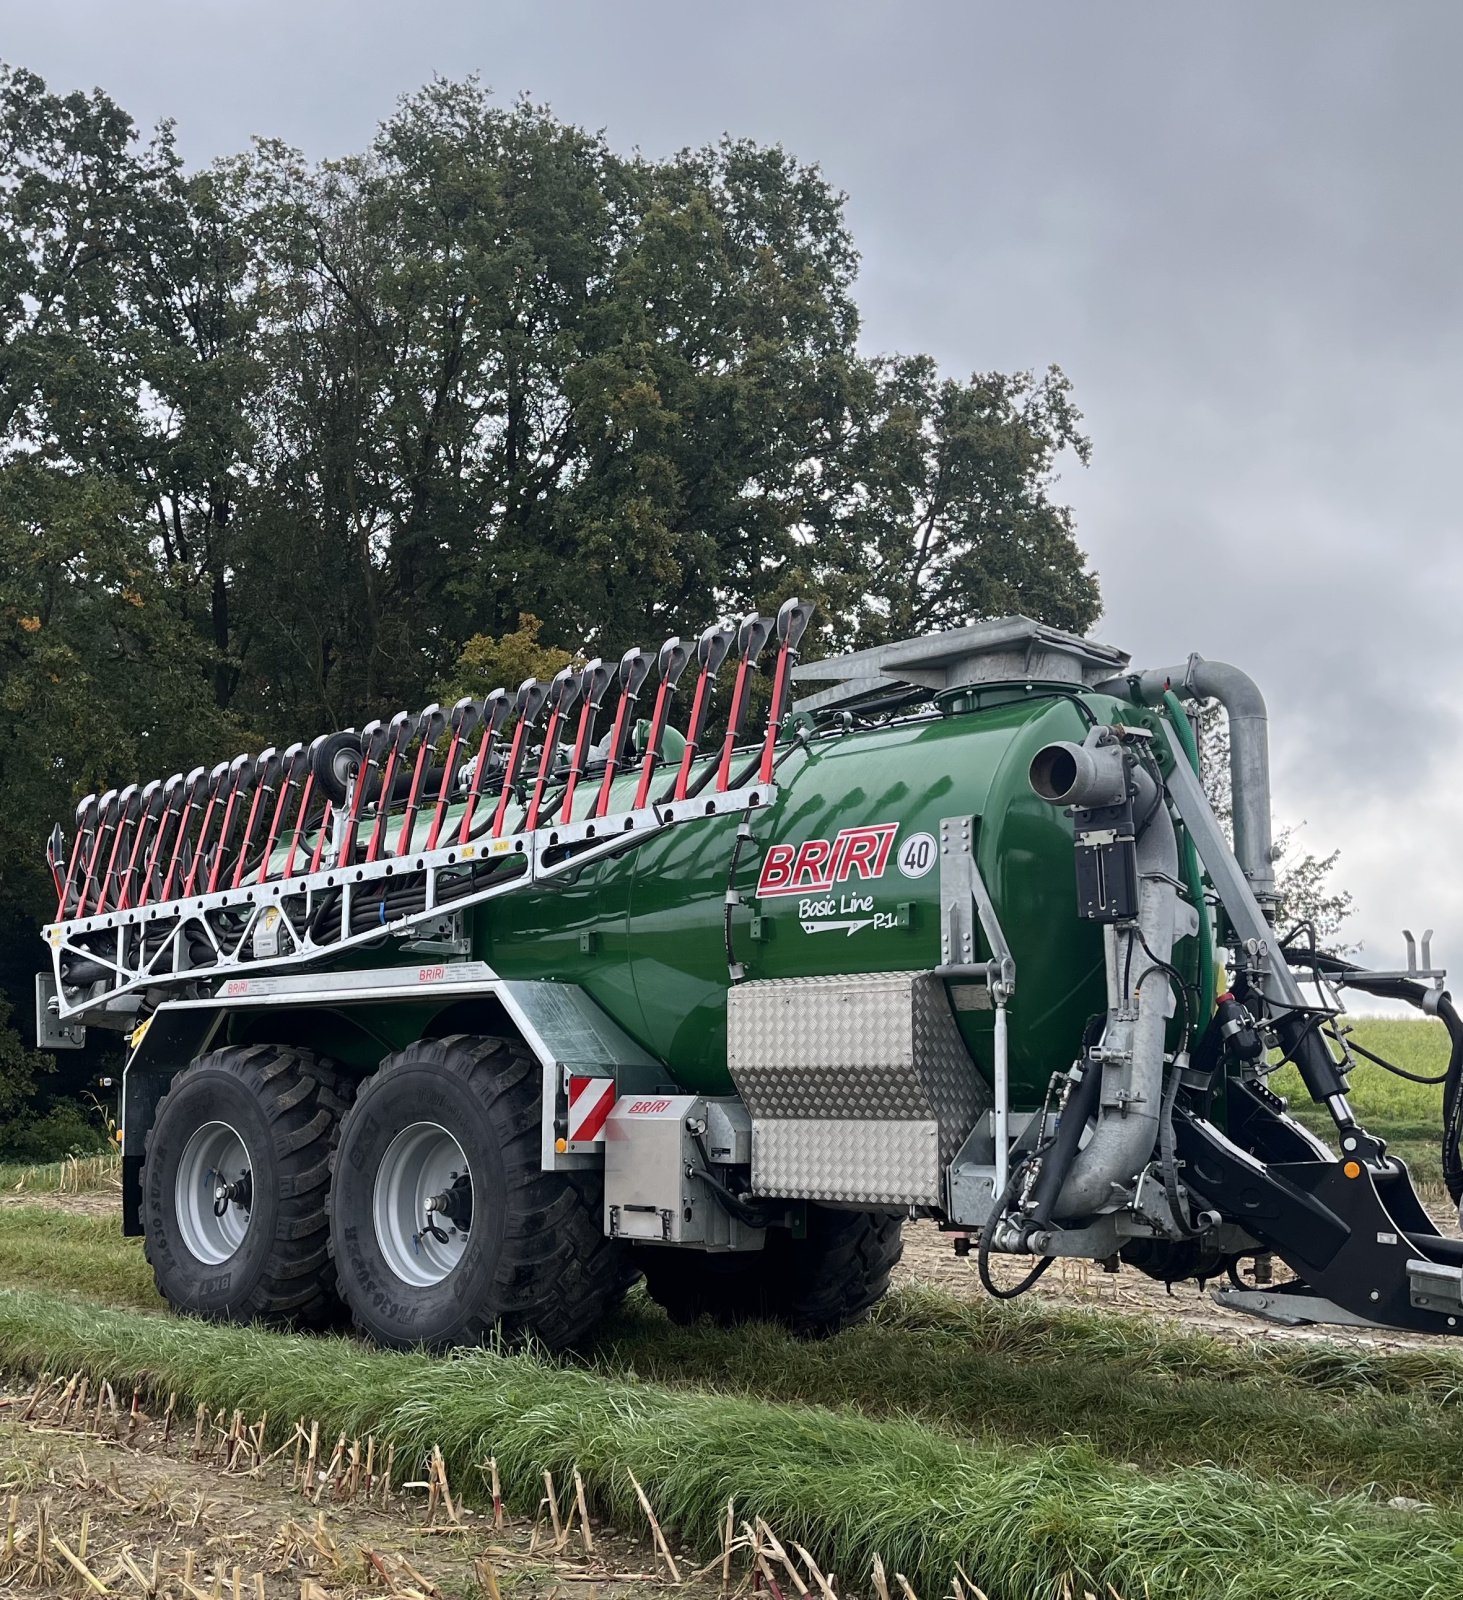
x=821, y=863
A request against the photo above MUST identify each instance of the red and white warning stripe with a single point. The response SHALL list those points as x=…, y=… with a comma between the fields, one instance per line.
x=590, y=1103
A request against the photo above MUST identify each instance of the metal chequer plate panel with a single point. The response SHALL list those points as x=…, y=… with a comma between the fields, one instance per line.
x=860, y=1088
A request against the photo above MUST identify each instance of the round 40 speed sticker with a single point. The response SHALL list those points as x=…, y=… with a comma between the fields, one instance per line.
x=917, y=855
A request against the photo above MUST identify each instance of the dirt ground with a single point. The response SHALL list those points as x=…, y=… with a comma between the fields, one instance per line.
x=105, y=1202
x=929, y=1258
x=97, y=1505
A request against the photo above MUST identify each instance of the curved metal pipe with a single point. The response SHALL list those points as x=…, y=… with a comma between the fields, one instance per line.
x=1249, y=751
x=1139, y=1001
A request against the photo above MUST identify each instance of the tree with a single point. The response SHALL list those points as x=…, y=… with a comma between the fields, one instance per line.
x=124, y=294
x=943, y=510
x=284, y=444
x=487, y=663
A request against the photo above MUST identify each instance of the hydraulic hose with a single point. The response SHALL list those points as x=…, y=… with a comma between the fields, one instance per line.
x=983, y=1250
x=1193, y=878
x=1061, y=1150
x=1414, y=994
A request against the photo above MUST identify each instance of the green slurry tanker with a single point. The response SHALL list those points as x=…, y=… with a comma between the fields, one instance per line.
x=468, y=1018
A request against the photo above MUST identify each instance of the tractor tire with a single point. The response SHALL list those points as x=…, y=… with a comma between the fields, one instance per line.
x=507, y=1249
x=263, y=1118
x=814, y=1286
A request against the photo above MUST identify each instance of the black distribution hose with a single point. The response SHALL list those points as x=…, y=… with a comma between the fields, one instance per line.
x=1168, y=1160
x=983, y=1253
x=408, y=896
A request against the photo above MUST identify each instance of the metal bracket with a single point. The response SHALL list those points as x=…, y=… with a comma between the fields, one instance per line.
x=1414, y=972
x=302, y=920
x=51, y=1032
x=965, y=901
x=1288, y=1310
x=445, y=937
x=1435, y=1287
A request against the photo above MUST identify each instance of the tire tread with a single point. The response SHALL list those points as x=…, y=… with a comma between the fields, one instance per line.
x=558, y=1273
x=302, y=1097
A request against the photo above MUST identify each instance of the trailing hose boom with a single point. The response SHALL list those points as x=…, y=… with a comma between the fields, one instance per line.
x=468, y=1017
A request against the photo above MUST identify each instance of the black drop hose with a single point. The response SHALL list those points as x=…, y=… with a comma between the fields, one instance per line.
x=1168, y=1159
x=1062, y=1146
x=983, y=1253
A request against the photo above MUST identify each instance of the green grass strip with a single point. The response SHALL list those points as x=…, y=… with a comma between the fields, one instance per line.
x=1336, y=1419
x=983, y=1387
x=44, y=1248
x=1022, y=1523
x=1039, y=1330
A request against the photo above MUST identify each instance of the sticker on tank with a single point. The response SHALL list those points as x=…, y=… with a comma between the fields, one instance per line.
x=822, y=864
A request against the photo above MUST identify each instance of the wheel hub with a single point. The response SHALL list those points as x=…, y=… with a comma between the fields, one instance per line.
x=238, y=1193
x=214, y=1192
x=422, y=1204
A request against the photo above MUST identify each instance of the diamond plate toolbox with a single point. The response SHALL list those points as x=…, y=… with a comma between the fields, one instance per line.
x=860, y=1088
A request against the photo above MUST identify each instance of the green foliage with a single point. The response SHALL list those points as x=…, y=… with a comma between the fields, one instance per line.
x=351, y=416
x=31, y=1131
x=1030, y=1522
x=42, y=1136
x=284, y=445
x=945, y=511
x=486, y=663
x=18, y=1068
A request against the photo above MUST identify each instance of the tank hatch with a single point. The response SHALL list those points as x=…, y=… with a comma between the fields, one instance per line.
x=1001, y=650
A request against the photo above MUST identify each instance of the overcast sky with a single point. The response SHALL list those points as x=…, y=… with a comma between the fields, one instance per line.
x=1236, y=227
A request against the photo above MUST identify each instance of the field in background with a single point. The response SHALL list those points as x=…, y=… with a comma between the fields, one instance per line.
x=1409, y=1116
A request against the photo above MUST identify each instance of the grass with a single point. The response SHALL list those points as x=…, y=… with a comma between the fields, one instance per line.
x=1004, y=1376
x=1023, y=1522
x=43, y=1248
x=74, y=1175
x=1333, y=1418
x=1037, y=1445
x=1409, y=1116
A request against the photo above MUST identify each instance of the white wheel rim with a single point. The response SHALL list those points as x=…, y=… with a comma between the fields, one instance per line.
x=424, y=1166
x=213, y=1193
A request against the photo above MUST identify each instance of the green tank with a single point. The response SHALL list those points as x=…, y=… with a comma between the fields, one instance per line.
x=645, y=933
